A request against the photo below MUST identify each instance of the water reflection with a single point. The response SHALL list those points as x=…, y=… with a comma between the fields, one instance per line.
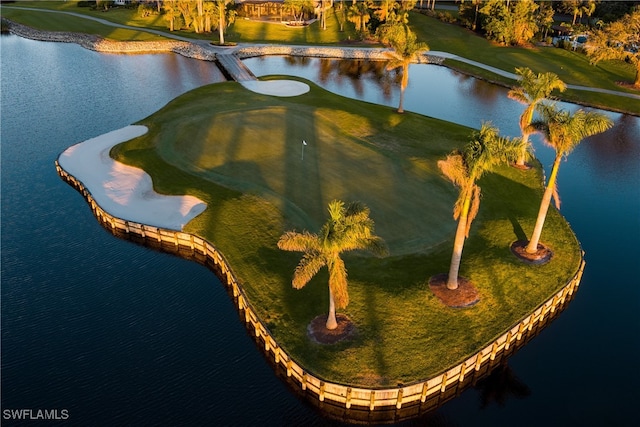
x=616, y=150
x=359, y=79
x=486, y=94
x=501, y=384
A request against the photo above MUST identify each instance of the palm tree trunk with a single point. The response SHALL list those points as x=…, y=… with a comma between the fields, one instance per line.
x=525, y=120
x=221, y=25
x=458, y=245
x=532, y=247
x=403, y=86
x=331, y=318
x=523, y=153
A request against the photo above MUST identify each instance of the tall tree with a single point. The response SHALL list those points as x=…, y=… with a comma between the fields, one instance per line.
x=406, y=49
x=225, y=17
x=360, y=13
x=297, y=8
x=563, y=131
x=532, y=89
x=348, y=228
x=171, y=13
x=510, y=25
x=483, y=153
x=618, y=40
x=544, y=17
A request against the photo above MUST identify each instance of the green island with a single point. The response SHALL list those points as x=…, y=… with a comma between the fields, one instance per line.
x=240, y=152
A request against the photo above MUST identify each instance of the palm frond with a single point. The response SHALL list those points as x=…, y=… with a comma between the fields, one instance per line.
x=564, y=131
x=454, y=168
x=298, y=242
x=307, y=268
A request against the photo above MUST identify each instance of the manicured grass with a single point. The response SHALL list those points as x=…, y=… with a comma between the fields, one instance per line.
x=248, y=31
x=49, y=21
x=241, y=153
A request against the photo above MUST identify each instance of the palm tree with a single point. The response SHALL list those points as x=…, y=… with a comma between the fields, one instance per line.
x=360, y=13
x=533, y=88
x=348, y=228
x=225, y=17
x=563, y=131
x=618, y=40
x=483, y=153
x=406, y=49
x=171, y=13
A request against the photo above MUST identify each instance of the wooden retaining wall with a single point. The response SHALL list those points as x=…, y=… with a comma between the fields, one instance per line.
x=339, y=400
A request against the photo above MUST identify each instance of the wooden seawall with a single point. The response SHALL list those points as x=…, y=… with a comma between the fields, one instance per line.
x=340, y=401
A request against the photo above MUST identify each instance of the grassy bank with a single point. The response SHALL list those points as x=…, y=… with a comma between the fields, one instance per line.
x=572, y=67
x=241, y=153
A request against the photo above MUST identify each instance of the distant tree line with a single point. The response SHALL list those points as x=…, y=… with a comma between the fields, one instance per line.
x=518, y=23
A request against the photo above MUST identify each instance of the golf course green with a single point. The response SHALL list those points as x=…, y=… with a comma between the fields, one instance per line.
x=243, y=154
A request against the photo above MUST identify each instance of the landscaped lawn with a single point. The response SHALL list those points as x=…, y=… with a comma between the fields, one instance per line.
x=241, y=152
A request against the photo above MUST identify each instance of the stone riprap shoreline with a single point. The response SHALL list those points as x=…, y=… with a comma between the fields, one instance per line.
x=202, y=50
x=327, y=52
x=99, y=44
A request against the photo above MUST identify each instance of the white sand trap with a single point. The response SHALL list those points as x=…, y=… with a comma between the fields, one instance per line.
x=124, y=191
x=277, y=87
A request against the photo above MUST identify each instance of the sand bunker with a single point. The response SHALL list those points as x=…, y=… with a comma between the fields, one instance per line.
x=124, y=191
x=277, y=87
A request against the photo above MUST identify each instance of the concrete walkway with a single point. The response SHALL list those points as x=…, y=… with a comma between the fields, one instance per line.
x=239, y=72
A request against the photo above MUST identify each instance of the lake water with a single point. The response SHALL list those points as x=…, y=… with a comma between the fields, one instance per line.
x=119, y=334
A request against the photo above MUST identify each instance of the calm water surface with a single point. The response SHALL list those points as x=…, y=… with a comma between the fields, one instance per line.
x=119, y=334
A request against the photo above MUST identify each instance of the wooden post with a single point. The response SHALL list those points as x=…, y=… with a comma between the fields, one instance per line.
x=276, y=352
x=257, y=329
x=304, y=381
x=479, y=360
x=520, y=331
x=399, y=401
x=372, y=400
x=507, y=343
x=321, y=393
x=463, y=367
x=425, y=389
x=289, y=367
x=531, y=321
x=443, y=387
x=348, y=398
x=494, y=350
x=234, y=289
